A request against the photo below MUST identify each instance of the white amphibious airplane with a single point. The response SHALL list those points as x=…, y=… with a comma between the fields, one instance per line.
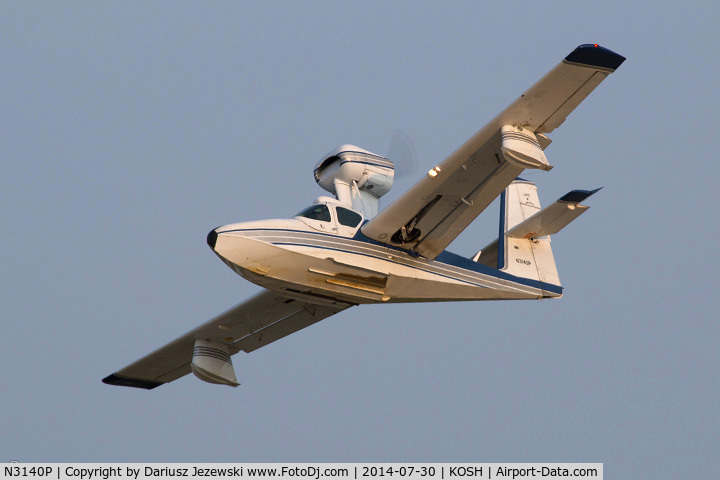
x=341, y=252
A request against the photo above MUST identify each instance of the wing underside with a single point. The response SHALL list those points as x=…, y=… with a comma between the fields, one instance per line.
x=442, y=204
x=258, y=321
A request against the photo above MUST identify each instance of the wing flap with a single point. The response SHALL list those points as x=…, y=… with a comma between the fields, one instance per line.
x=465, y=211
x=258, y=321
x=290, y=324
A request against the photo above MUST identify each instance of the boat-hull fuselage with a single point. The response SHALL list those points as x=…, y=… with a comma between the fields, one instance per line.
x=291, y=257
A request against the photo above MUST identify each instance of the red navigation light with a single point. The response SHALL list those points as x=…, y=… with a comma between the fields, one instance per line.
x=596, y=45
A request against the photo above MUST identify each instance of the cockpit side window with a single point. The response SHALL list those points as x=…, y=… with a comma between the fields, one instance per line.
x=316, y=212
x=348, y=217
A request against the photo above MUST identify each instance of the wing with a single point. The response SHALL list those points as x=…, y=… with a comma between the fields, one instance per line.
x=440, y=206
x=258, y=321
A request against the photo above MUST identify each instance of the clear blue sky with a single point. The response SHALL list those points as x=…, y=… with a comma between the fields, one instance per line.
x=128, y=131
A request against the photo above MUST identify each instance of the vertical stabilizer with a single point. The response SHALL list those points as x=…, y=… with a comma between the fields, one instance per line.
x=525, y=257
x=530, y=258
x=523, y=245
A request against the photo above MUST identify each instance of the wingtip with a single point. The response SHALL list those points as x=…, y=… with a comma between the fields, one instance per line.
x=577, y=196
x=594, y=55
x=115, y=379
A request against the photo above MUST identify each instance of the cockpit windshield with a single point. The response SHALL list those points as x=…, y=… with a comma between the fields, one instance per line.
x=348, y=217
x=316, y=212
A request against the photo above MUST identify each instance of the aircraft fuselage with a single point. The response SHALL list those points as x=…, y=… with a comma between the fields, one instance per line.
x=291, y=257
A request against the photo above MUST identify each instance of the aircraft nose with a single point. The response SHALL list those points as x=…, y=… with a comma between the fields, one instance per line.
x=212, y=238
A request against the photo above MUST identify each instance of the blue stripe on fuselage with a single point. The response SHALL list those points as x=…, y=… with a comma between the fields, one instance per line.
x=458, y=261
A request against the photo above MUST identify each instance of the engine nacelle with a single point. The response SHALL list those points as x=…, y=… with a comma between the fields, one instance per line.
x=356, y=177
x=211, y=363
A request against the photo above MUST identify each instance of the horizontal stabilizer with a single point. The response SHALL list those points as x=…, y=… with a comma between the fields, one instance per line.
x=552, y=219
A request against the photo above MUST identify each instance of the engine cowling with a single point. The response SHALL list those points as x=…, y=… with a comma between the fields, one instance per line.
x=356, y=177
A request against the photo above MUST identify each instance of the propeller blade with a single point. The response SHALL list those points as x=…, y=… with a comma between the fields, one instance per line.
x=402, y=153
